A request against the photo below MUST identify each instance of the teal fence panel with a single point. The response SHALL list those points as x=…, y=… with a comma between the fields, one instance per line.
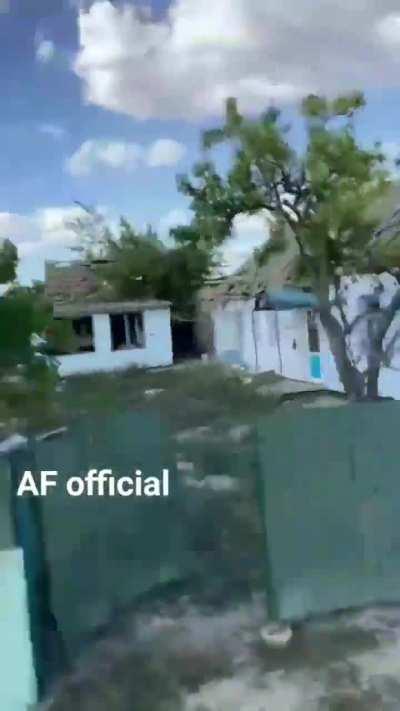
x=330, y=490
x=104, y=552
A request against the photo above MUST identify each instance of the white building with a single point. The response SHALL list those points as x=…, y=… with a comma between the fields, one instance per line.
x=284, y=335
x=109, y=335
x=117, y=335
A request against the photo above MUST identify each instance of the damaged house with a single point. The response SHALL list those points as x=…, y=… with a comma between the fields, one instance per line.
x=265, y=318
x=108, y=335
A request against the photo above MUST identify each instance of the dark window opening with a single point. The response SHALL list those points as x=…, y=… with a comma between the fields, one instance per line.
x=184, y=341
x=83, y=329
x=313, y=332
x=127, y=331
x=70, y=336
x=262, y=302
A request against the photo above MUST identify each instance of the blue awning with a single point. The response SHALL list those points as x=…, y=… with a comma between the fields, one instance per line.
x=287, y=299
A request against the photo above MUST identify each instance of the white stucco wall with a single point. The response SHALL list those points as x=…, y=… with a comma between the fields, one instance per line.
x=156, y=352
x=267, y=339
x=233, y=340
x=262, y=340
x=278, y=341
x=294, y=344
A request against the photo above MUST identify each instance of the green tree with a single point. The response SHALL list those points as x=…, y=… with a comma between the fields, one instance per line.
x=138, y=265
x=323, y=196
x=27, y=375
x=8, y=261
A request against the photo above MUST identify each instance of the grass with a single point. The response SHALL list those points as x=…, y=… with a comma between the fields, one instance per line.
x=191, y=395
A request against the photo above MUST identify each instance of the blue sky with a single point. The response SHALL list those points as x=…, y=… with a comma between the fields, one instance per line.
x=103, y=102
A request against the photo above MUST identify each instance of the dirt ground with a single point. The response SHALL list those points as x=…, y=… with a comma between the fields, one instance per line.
x=190, y=656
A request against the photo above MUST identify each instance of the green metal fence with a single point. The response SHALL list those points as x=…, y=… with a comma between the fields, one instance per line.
x=86, y=558
x=331, y=502
x=329, y=487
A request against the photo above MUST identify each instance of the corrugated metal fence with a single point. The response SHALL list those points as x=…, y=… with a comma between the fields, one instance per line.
x=87, y=557
x=331, y=499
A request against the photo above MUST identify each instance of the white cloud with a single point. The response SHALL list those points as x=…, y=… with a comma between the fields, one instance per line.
x=13, y=226
x=249, y=233
x=53, y=224
x=186, y=64
x=52, y=130
x=165, y=152
x=110, y=154
x=45, y=51
x=389, y=29
x=95, y=153
x=46, y=233
x=391, y=149
x=43, y=234
x=173, y=218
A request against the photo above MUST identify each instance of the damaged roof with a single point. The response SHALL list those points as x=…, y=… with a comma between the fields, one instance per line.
x=77, y=309
x=280, y=269
x=68, y=281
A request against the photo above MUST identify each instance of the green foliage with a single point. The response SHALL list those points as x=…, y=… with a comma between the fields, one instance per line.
x=15, y=347
x=136, y=264
x=323, y=193
x=8, y=261
x=276, y=244
x=92, y=232
x=318, y=107
x=141, y=266
x=185, y=269
x=27, y=375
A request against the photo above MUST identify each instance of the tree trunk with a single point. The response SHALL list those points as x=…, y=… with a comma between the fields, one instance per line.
x=373, y=383
x=351, y=379
x=374, y=358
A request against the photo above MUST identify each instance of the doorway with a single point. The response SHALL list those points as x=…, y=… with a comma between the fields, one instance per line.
x=314, y=346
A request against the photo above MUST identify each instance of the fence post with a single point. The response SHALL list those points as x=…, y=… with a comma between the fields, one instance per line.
x=48, y=653
x=271, y=594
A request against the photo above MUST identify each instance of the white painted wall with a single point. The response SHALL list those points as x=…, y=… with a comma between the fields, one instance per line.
x=233, y=340
x=354, y=289
x=17, y=678
x=157, y=350
x=267, y=338
x=294, y=344
x=264, y=340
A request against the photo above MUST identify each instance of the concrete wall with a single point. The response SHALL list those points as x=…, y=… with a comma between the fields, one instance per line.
x=157, y=350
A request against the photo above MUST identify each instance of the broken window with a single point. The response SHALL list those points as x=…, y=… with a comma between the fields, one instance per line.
x=83, y=329
x=69, y=336
x=127, y=331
